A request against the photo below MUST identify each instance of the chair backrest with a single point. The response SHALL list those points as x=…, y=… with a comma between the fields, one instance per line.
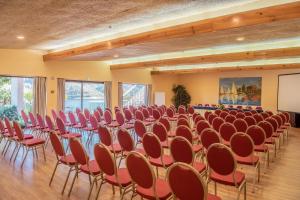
x=139, y=115
x=217, y=122
x=8, y=127
x=273, y=122
x=195, y=114
x=140, y=170
x=206, y=114
x=82, y=120
x=63, y=116
x=57, y=145
x=107, y=116
x=125, y=140
x=227, y=130
x=183, y=116
x=120, y=118
x=278, y=119
x=283, y=118
x=160, y=131
x=253, y=112
x=139, y=128
x=87, y=113
x=223, y=114
x=208, y=137
x=145, y=113
x=170, y=112
x=2, y=127
x=49, y=123
x=250, y=120
x=97, y=115
x=25, y=117
x=287, y=115
x=257, y=134
x=240, y=125
x=233, y=112
x=258, y=118
x=156, y=114
x=32, y=119
x=166, y=123
x=78, y=151
x=100, y=111
x=152, y=145
x=226, y=165
x=218, y=112
x=105, y=160
x=105, y=135
x=211, y=117
x=61, y=126
x=268, y=128
x=230, y=118
x=72, y=118
x=269, y=112
x=191, y=110
x=78, y=110
x=265, y=115
x=128, y=114
x=248, y=113
x=150, y=110
x=181, y=150
x=18, y=130
x=240, y=115
x=94, y=122
x=161, y=110
x=183, y=122
x=41, y=121
x=186, y=183
x=201, y=125
x=185, y=132
x=242, y=145
x=54, y=114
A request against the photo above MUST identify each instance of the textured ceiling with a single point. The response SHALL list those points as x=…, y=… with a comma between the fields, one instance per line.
x=52, y=24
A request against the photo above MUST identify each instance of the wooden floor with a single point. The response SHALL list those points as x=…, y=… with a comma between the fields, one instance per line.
x=280, y=181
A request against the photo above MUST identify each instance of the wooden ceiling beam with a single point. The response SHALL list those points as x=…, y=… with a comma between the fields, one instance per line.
x=214, y=58
x=236, y=20
x=234, y=68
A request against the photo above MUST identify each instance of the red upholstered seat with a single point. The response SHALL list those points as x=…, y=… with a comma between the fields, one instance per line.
x=26, y=137
x=91, y=168
x=116, y=148
x=197, y=148
x=162, y=189
x=212, y=197
x=261, y=148
x=123, y=178
x=200, y=167
x=68, y=159
x=228, y=179
x=250, y=160
x=33, y=142
x=171, y=133
x=166, y=159
x=71, y=135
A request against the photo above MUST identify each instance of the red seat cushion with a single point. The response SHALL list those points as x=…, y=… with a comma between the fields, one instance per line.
x=228, y=179
x=123, y=178
x=150, y=119
x=250, y=160
x=276, y=134
x=113, y=124
x=33, y=142
x=68, y=159
x=162, y=190
x=171, y=133
x=200, y=167
x=212, y=197
x=71, y=135
x=25, y=136
x=197, y=148
x=167, y=161
x=116, y=148
x=270, y=140
x=91, y=168
x=127, y=126
x=261, y=148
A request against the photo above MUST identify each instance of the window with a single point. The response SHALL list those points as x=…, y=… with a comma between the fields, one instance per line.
x=133, y=94
x=79, y=94
x=16, y=94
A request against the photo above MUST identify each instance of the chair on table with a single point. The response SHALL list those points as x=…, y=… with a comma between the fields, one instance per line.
x=182, y=151
x=143, y=178
x=84, y=164
x=258, y=136
x=187, y=184
x=243, y=148
x=268, y=128
x=217, y=122
x=223, y=170
x=186, y=132
x=154, y=151
x=166, y=123
x=121, y=121
x=112, y=174
x=250, y=120
x=31, y=144
x=227, y=130
x=161, y=132
x=230, y=118
x=62, y=158
x=208, y=137
x=240, y=125
x=211, y=117
x=106, y=138
x=258, y=118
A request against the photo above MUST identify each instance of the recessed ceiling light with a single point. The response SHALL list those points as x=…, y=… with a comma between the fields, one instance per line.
x=116, y=56
x=20, y=37
x=236, y=20
x=240, y=38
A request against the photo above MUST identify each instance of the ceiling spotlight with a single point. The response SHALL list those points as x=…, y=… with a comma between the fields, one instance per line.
x=236, y=20
x=240, y=38
x=116, y=56
x=20, y=37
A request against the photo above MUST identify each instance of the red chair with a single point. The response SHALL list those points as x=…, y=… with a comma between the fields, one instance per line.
x=142, y=175
x=181, y=109
x=26, y=120
x=50, y=124
x=250, y=120
x=115, y=176
x=140, y=116
x=265, y=115
x=140, y=129
x=243, y=148
x=208, y=137
x=183, y=116
x=105, y=137
x=54, y=114
x=63, y=132
x=240, y=115
x=277, y=135
x=156, y=114
x=73, y=122
x=211, y=117
x=84, y=165
x=64, y=118
x=227, y=130
x=248, y=113
x=268, y=128
x=161, y=132
x=183, y=122
x=86, y=113
x=194, y=115
x=128, y=116
x=62, y=158
x=258, y=136
x=258, y=118
x=154, y=151
x=34, y=124
x=240, y=125
x=198, y=118
x=171, y=115
x=147, y=116
x=186, y=132
x=121, y=121
x=167, y=125
x=206, y=114
x=182, y=151
x=217, y=122
x=191, y=110
x=31, y=144
x=186, y=183
x=218, y=112
x=201, y=125
x=223, y=114
x=288, y=118
x=98, y=116
x=150, y=110
x=230, y=118
x=253, y=112
x=233, y=112
x=109, y=120
x=223, y=170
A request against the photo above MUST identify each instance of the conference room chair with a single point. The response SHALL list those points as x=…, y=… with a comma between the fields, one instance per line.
x=187, y=184
x=150, y=110
x=217, y=122
x=233, y=112
x=63, y=133
x=140, y=116
x=155, y=153
x=265, y=115
x=162, y=111
x=84, y=165
x=181, y=109
x=166, y=123
x=171, y=115
x=253, y=112
x=183, y=116
x=218, y=112
x=258, y=136
x=240, y=125
x=191, y=110
x=268, y=128
x=145, y=184
x=198, y=118
x=227, y=130
x=54, y=114
x=128, y=116
x=186, y=132
x=206, y=114
x=100, y=112
x=98, y=116
x=50, y=124
x=250, y=120
x=277, y=135
x=31, y=144
x=147, y=116
x=281, y=128
x=63, y=117
x=122, y=122
x=200, y=126
x=223, y=171
x=74, y=124
x=77, y=111
x=106, y=138
x=140, y=130
x=3, y=131
x=182, y=151
x=25, y=118
x=258, y=117
x=112, y=175
x=248, y=113
x=62, y=158
x=44, y=130
x=223, y=114
x=288, y=118
x=242, y=146
x=156, y=114
x=194, y=115
x=208, y=137
x=240, y=115
x=161, y=132
x=35, y=126
x=110, y=123
x=87, y=113
x=183, y=122
x=211, y=117
x=269, y=112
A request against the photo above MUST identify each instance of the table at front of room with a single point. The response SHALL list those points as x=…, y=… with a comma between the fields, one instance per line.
x=203, y=109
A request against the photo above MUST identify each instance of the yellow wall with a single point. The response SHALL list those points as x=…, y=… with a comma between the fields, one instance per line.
x=30, y=63
x=204, y=87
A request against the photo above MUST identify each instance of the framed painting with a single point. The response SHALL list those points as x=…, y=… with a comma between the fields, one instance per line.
x=240, y=91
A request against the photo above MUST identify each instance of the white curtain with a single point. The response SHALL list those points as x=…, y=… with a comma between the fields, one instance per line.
x=120, y=94
x=39, y=96
x=60, y=94
x=107, y=93
x=148, y=94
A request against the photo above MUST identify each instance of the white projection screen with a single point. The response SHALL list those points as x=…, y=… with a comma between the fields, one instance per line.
x=289, y=93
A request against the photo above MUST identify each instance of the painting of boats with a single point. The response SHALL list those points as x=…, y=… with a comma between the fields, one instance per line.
x=240, y=91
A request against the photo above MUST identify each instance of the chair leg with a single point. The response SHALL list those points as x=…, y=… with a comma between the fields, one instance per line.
x=98, y=191
x=65, y=184
x=17, y=152
x=13, y=153
x=73, y=181
x=91, y=188
x=53, y=173
x=43, y=147
x=215, y=185
x=27, y=150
